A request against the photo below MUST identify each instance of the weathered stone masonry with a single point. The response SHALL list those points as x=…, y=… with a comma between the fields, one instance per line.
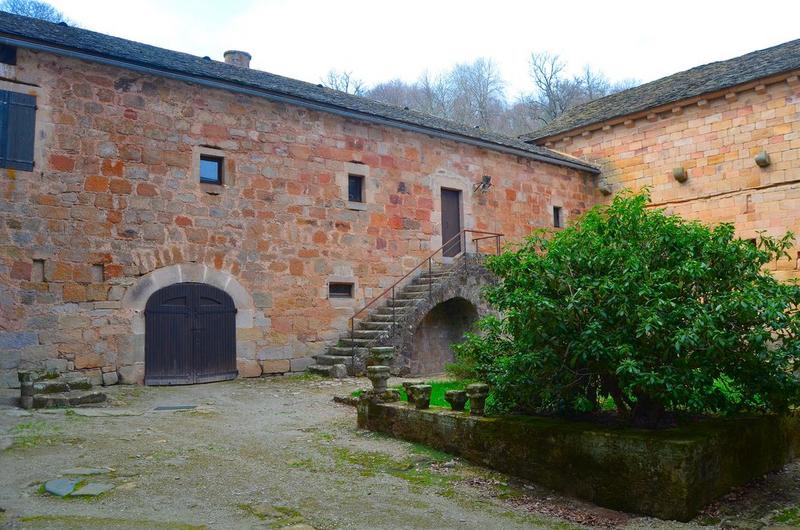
x=114, y=209
x=715, y=138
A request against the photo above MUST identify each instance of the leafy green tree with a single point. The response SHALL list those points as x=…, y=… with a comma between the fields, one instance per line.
x=662, y=314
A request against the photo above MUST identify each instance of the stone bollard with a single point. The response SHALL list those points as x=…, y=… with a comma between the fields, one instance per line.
x=422, y=396
x=379, y=375
x=477, y=393
x=26, y=380
x=456, y=398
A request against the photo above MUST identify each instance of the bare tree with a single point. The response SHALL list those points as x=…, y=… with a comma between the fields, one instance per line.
x=344, y=81
x=34, y=9
x=555, y=93
x=478, y=93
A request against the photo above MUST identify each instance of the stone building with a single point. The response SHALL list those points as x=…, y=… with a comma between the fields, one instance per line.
x=155, y=201
x=158, y=206
x=718, y=143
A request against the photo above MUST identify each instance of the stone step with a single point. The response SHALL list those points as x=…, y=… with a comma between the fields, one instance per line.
x=346, y=351
x=330, y=360
x=59, y=385
x=412, y=296
x=367, y=333
x=382, y=349
x=419, y=288
x=401, y=303
x=381, y=318
x=336, y=371
x=347, y=341
x=74, y=398
x=385, y=325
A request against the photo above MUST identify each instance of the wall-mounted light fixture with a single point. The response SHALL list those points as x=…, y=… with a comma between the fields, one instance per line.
x=484, y=185
x=762, y=159
x=680, y=174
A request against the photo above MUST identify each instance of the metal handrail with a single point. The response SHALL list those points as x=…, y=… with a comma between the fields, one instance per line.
x=429, y=260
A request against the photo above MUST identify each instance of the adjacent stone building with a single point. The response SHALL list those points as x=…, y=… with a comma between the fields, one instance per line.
x=718, y=143
x=140, y=183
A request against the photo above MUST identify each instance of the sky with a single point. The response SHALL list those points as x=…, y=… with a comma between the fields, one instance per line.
x=380, y=40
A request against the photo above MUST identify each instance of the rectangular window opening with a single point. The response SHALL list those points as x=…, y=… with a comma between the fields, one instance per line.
x=558, y=222
x=98, y=273
x=340, y=290
x=8, y=54
x=37, y=271
x=211, y=169
x=355, y=188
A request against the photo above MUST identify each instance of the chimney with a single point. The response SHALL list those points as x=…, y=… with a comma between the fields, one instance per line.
x=238, y=58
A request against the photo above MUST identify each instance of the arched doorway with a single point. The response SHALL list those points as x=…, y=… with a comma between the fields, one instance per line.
x=443, y=326
x=190, y=335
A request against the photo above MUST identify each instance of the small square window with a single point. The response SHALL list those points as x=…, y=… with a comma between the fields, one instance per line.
x=211, y=169
x=8, y=54
x=355, y=188
x=558, y=221
x=340, y=290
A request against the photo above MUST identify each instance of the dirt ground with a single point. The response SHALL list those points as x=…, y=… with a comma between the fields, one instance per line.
x=278, y=453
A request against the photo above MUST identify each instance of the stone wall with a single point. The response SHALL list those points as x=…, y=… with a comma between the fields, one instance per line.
x=716, y=139
x=674, y=473
x=114, y=203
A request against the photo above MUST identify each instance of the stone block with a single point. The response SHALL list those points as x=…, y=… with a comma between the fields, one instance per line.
x=56, y=365
x=279, y=352
x=89, y=360
x=132, y=374
x=110, y=378
x=94, y=376
x=300, y=364
x=248, y=368
x=15, y=340
x=246, y=350
x=279, y=366
x=130, y=349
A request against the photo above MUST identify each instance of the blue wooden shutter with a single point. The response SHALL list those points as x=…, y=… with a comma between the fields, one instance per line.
x=17, y=127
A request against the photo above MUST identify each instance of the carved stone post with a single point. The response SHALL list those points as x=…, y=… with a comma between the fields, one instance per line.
x=456, y=398
x=477, y=393
x=422, y=396
x=26, y=380
x=379, y=375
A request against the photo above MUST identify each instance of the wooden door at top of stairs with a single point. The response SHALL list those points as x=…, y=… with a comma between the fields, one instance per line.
x=190, y=335
x=451, y=221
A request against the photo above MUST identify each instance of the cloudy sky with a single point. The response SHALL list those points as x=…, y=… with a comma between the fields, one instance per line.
x=380, y=40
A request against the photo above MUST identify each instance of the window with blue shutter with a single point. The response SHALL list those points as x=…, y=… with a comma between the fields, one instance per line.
x=17, y=130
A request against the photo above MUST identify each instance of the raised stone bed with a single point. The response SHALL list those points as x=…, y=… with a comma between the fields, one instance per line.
x=670, y=474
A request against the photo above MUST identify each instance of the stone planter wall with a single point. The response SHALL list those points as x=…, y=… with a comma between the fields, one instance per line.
x=669, y=474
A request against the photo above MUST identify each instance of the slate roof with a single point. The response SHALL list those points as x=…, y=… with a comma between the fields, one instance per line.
x=683, y=85
x=62, y=38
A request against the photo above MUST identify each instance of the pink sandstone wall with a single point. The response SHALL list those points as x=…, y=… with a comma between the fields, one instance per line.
x=716, y=140
x=114, y=209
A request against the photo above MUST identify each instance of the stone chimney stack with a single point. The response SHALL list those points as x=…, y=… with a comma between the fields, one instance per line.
x=238, y=58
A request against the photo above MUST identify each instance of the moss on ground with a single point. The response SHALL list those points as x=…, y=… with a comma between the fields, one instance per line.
x=32, y=434
x=789, y=516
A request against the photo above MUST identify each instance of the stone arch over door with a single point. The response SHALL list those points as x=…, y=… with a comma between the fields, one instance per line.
x=132, y=357
x=444, y=325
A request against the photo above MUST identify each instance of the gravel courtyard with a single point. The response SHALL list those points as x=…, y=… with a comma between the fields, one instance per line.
x=278, y=453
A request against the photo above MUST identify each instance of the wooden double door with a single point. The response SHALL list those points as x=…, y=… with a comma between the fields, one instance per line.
x=190, y=335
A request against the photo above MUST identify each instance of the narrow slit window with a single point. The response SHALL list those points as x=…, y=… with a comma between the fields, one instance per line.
x=558, y=221
x=355, y=188
x=211, y=169
x=340, y=290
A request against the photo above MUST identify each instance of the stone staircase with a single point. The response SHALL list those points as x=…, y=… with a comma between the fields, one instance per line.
x=349, y=355
x=40, y=391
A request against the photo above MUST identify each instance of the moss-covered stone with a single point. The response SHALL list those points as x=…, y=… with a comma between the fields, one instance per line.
x=669, y=474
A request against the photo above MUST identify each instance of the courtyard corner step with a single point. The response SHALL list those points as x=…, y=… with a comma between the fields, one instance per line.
x=47, y=390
